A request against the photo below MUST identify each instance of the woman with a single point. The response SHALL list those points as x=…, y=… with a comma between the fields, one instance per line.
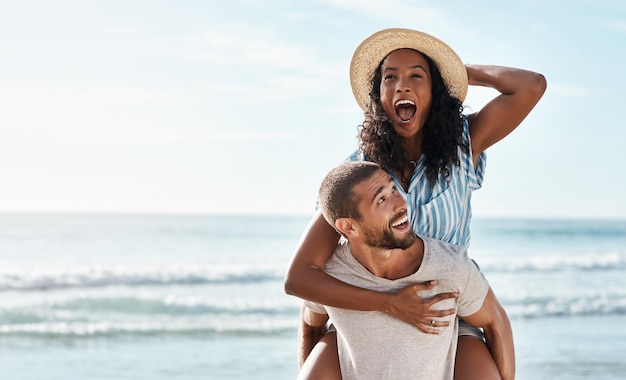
x=411, y=87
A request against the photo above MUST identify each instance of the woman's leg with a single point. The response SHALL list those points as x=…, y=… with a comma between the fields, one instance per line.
x=323, y=361
x=474, y=361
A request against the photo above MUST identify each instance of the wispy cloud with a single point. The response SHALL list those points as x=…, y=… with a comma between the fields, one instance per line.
x=404, y=13
x=251, y=48
x=273, y=64
x=120, y=30
x=616, y=25
x=65, y=101
x=274, y=89
x=268, y=46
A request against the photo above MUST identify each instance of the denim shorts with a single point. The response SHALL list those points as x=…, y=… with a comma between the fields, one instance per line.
x=465, y=329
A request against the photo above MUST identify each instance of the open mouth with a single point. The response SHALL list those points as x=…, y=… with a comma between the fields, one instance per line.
x=401, y=223
x=405, y=110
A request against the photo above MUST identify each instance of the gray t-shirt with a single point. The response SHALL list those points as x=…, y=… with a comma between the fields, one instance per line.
x=375, y=345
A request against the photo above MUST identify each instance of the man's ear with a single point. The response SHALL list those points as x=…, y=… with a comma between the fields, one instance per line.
x=346, y=226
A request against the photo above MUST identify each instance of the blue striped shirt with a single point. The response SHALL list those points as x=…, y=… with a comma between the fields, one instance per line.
x=442, y=211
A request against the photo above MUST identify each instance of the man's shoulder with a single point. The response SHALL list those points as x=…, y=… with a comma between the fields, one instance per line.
x=442, y=247
x=447, y=254
x=340, y=255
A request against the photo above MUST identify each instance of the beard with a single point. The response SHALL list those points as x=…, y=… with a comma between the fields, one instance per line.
x=385, y=239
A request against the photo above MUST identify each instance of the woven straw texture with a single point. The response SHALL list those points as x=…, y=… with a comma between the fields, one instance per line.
x=375, y=48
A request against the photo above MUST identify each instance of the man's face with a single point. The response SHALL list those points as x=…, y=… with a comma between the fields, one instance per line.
x=384, y=221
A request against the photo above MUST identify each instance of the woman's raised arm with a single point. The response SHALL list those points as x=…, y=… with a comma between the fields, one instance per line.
x=520, y=90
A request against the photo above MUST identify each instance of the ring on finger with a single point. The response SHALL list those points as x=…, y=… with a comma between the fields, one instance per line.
x=432, y=322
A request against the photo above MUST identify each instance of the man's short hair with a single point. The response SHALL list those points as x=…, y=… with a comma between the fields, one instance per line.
x=336, y=195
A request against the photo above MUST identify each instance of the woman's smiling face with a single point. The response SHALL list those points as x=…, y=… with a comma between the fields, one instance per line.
x=406, y=90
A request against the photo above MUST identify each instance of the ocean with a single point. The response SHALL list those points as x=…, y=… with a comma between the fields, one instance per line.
x=191, y=297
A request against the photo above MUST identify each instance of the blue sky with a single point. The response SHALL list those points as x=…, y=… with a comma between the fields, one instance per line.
x=243, y=106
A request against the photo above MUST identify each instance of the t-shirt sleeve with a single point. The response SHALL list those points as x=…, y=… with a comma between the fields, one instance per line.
x=472, y=298
x=316, y=307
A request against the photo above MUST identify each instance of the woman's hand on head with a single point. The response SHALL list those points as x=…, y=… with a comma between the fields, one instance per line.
x=519, y=89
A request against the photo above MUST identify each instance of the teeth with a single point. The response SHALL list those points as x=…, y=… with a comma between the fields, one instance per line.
x=399, y=222
x=404, y=102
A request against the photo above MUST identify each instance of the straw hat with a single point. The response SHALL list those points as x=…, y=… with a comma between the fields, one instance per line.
x=376, y=47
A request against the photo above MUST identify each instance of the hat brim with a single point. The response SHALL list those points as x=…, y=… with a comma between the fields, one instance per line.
x=376, y=47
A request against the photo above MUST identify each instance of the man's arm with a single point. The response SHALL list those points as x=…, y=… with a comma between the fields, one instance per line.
x=498, y=333
x=312, y=328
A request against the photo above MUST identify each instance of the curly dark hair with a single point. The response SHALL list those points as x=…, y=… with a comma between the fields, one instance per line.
x=442, y=131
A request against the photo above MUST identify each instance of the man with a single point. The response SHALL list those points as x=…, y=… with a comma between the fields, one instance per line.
x=381, y=252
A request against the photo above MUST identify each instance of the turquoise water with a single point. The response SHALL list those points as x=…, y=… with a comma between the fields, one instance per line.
x=187, y=297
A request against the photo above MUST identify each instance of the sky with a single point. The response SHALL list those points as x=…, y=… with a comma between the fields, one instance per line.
x=241, y=107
